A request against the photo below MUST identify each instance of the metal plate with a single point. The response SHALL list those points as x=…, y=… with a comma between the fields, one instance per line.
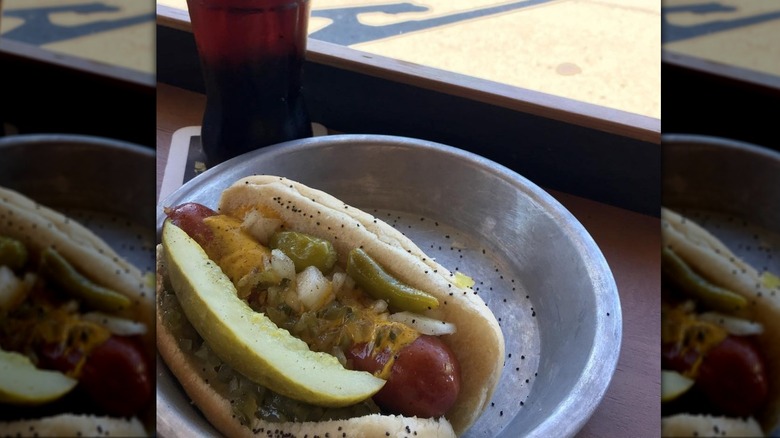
x=536, y=267
x=732, y=189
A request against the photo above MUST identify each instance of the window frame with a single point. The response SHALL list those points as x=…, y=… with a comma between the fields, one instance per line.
x=579, y=148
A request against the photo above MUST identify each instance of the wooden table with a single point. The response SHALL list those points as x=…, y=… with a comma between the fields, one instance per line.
x=630, y=242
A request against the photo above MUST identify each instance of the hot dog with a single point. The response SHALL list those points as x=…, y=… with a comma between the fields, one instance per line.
x=424, y=380
x=720, y=329
x=434, y=383
x=73, y=310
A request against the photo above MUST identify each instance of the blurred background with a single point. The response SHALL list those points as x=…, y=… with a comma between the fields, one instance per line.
x=721, y=69
x=79, y=66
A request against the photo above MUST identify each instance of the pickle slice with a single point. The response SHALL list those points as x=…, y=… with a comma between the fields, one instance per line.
x=250, y=342
x=673, y=385
x=21, y=383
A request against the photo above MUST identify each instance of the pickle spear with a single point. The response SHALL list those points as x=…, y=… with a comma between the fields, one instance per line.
x=61, y=272
x=692, y=284
x=378, y=283
x=250, y=342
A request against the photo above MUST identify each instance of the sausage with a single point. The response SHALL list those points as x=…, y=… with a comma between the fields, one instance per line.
x=424, y=379
x=53, y=356
x=731, y=376
x=116, y=375
x=189, y=217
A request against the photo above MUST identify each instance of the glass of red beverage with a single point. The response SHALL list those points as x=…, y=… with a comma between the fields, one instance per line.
x=252, y=54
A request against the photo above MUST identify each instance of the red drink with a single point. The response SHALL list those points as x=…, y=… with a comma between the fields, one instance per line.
x=252, y=54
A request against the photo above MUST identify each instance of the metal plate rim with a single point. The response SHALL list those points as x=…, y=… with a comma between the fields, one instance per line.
x=672, y=139
x=91, y=140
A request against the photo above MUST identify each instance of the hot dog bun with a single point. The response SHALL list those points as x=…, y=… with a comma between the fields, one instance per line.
x=711, y=257
x=40, y=227
x=478, y=342
x=687, y=425
x=75, y=425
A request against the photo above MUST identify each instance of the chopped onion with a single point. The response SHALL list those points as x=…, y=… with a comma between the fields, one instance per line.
x=424, y=324
x=339, y=279
x=733, y=325
x=260, y=227
x=314, y=290
x=282, y=265
x=71, y=306
x=234, y=385
x=291, y=298
x=202, y=353
x=13, y=290
x=7, y=277
x=379, y=306
x=116, y=325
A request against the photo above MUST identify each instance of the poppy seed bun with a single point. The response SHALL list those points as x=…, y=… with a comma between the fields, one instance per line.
x=74, y=425
x=687, y=425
